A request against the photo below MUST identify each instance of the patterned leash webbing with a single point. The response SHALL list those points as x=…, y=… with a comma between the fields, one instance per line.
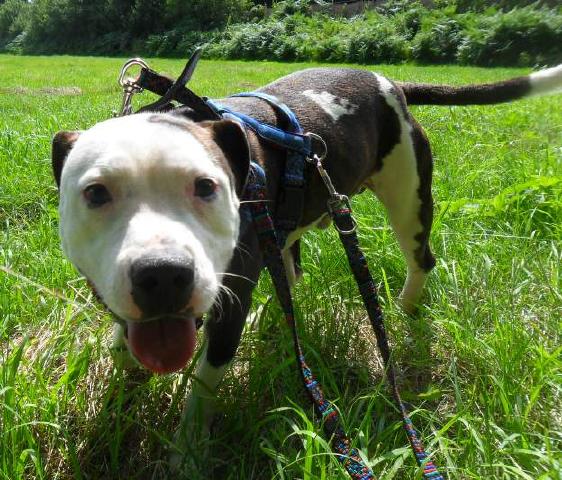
x=341, y=214
x=349, y=457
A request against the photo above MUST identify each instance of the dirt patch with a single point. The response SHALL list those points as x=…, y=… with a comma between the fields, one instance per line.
x=62, y=91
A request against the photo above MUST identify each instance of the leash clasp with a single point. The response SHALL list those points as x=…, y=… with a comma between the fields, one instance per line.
x=130, y=85
x=338, y=204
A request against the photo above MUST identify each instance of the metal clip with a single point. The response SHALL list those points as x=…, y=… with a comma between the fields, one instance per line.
x=129, y=85
x=336, y=200
x=324, y=175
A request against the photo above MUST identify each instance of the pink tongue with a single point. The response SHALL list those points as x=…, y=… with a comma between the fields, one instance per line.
x=164, y=345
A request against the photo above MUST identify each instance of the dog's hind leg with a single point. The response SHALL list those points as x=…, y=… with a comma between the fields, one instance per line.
x=403, y=185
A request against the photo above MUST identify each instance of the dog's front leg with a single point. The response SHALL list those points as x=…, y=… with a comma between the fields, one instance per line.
x=223, y=330
x=198, y=409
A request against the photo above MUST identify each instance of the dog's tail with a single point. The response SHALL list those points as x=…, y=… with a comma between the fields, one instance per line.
x=538, y=83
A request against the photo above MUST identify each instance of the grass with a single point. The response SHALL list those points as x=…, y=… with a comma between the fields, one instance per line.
x=480, y=364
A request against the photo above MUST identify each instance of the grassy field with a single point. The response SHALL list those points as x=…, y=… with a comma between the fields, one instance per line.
x=480, y=365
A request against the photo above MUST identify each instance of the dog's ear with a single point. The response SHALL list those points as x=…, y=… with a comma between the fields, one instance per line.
x=62, y=144
x=231, y=139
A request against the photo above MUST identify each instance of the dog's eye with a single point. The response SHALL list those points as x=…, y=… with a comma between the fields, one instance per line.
x=96, y=195
x=205, y=188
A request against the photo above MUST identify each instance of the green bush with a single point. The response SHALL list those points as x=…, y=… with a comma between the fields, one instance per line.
x=174, y=43
x=440, y=43
x=364, y=39
x=13, y=21
x=377, y=41
x=396, y=31
x=524, y=37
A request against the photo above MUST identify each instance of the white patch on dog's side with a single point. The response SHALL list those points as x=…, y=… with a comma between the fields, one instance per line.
x=149, y=167
x=335, y=107
x=396, y=186
x=546, y=81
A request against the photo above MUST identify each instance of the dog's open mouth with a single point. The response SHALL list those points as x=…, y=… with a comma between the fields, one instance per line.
x=163, y=345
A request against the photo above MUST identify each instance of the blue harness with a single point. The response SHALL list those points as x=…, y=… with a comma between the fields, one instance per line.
x=298, y=146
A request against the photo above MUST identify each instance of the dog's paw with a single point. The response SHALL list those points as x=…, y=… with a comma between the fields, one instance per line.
x=188, y=460
x=408, y=307
x=189, y=450
x=411, y=293
x=191, y=440
x=122, y=359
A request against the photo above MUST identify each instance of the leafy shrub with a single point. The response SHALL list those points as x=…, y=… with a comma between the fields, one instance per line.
x=13, y=20
x=409, y=22
x=174, y=43
x=397, y=31
x=15, y=46
x=524, y=37
x=286, y=8
x=440, y=43
x=377, y=42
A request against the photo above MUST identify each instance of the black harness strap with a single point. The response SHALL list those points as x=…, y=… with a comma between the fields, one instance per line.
x=170, y=90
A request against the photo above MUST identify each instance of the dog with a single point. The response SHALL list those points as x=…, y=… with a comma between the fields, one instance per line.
x=149, y=204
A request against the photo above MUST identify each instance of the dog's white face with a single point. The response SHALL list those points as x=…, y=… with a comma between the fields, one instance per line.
x=149, y=215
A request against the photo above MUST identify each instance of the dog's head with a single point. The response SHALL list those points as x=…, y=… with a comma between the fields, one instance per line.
x=149, y=215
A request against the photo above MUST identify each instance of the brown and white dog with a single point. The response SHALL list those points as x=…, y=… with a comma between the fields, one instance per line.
x=149, y=203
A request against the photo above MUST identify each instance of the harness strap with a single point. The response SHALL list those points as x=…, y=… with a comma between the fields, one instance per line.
x=347, y=455
x=169, y=90
x=298, y=146
x=291, y=141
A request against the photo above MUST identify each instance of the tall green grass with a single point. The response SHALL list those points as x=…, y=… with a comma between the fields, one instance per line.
x=480, y=365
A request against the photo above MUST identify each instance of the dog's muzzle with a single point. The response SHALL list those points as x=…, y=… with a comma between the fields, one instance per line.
x=164, y=339
x=162, y=285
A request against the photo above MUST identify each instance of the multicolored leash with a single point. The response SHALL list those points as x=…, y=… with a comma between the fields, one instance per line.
x=256, y=192
x=339, y=209
x=340, y=212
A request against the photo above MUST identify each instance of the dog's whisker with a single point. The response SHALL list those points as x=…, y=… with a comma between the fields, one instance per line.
x=242, y=202
x=241, y=248
x=227, y=274
x=231, y=295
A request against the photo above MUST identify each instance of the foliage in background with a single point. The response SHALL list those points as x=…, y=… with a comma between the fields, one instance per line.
x=509, y=32
x=399, y=32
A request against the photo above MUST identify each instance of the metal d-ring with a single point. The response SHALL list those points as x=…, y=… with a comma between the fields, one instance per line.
x=128, y=64
x=317, y=155
x=130, y=85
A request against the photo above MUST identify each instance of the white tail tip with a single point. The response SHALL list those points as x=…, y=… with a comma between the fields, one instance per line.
x=546, y=81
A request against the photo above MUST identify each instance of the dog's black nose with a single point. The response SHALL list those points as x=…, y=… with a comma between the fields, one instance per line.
x=162, y=285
